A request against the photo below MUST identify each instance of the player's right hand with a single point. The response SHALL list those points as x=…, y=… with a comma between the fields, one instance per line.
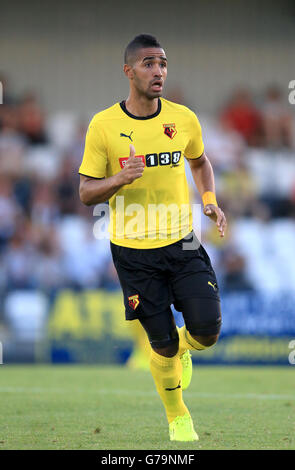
x=133, y=168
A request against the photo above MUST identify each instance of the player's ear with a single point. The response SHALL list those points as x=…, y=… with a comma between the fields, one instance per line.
x=128, y=71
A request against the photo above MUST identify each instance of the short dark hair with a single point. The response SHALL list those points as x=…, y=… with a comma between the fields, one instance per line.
x=139, y=42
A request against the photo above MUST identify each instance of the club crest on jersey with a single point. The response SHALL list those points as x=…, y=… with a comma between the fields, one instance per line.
x=133, y=301
x=169, y=130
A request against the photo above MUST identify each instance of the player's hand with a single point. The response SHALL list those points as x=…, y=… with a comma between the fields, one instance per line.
x=133, y=169
x=216, y=214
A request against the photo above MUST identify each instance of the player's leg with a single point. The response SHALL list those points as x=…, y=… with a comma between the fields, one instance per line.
x=164, y=363
x=146, y=291
x=166, y=370
x=196, y=295
x=201, y=330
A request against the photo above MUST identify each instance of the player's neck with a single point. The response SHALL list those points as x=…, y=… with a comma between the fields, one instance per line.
x=141, y=106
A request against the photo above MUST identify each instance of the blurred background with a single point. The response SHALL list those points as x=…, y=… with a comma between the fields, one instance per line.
x=60, y=63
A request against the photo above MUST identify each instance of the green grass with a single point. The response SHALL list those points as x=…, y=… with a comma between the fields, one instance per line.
x=88, y=407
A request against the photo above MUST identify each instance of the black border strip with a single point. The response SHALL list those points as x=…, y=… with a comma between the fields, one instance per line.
x=141, y=118
x=93, y=177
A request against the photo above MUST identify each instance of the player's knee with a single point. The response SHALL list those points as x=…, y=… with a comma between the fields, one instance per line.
x=206, y=340
x=166, y=346
x=167, y=351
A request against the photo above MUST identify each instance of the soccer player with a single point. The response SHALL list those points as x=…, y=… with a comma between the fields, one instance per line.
x=134, y=157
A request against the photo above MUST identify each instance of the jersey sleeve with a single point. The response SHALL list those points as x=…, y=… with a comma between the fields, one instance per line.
x=94, y=160
x=195, y=146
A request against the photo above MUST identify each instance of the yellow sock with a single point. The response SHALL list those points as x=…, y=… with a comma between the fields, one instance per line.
x=186, y=341
x=166, y=372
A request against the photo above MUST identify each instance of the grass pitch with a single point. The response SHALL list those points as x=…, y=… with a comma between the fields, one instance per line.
x=89, y=407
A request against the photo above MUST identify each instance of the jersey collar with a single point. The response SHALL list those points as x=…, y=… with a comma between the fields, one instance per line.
x=123, y=107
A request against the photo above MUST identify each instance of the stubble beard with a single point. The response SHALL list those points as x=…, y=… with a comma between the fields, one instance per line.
x=145, y=93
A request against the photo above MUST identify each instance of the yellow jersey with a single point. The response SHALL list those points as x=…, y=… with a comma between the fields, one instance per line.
x=154, y=210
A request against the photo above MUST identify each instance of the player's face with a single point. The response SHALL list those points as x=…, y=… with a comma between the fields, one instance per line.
x=150, y=72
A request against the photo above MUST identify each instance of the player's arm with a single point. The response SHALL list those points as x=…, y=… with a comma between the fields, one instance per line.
x=94, y=190
x=204, y=179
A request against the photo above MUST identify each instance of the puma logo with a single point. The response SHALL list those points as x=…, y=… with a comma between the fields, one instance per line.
x=213, y=285
x=170, y=389
x=128, y=136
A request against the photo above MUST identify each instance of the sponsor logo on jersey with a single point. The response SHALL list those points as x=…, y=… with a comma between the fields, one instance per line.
x=128, y=136
x=169, y=130
x=154, y=159
x=124, y=160
x=133, y=301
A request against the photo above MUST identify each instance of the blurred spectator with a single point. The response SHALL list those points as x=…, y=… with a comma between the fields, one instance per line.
x=234, y=277
x=242, y=116
x=9, y=118
x=19, y=259
x=66, y=188
x=44, y=210
x=276, y=119
x=238, y=191
x=75, y=148
x=9, y=211
x=61, y=128
x=31, y=120
x=225, y=147
x=12, y=142
x=23, y=189
x=48, y=272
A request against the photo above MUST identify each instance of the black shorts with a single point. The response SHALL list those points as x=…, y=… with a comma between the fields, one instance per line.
x=153, y=279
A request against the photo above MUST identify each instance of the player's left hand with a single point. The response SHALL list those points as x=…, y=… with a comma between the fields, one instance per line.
x=216, y=214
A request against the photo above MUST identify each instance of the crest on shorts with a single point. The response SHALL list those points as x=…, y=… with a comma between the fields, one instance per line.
x=133, y=301
x=169, y=130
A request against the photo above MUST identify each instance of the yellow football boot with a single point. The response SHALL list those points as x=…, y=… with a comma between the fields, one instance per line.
x=182, y=429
